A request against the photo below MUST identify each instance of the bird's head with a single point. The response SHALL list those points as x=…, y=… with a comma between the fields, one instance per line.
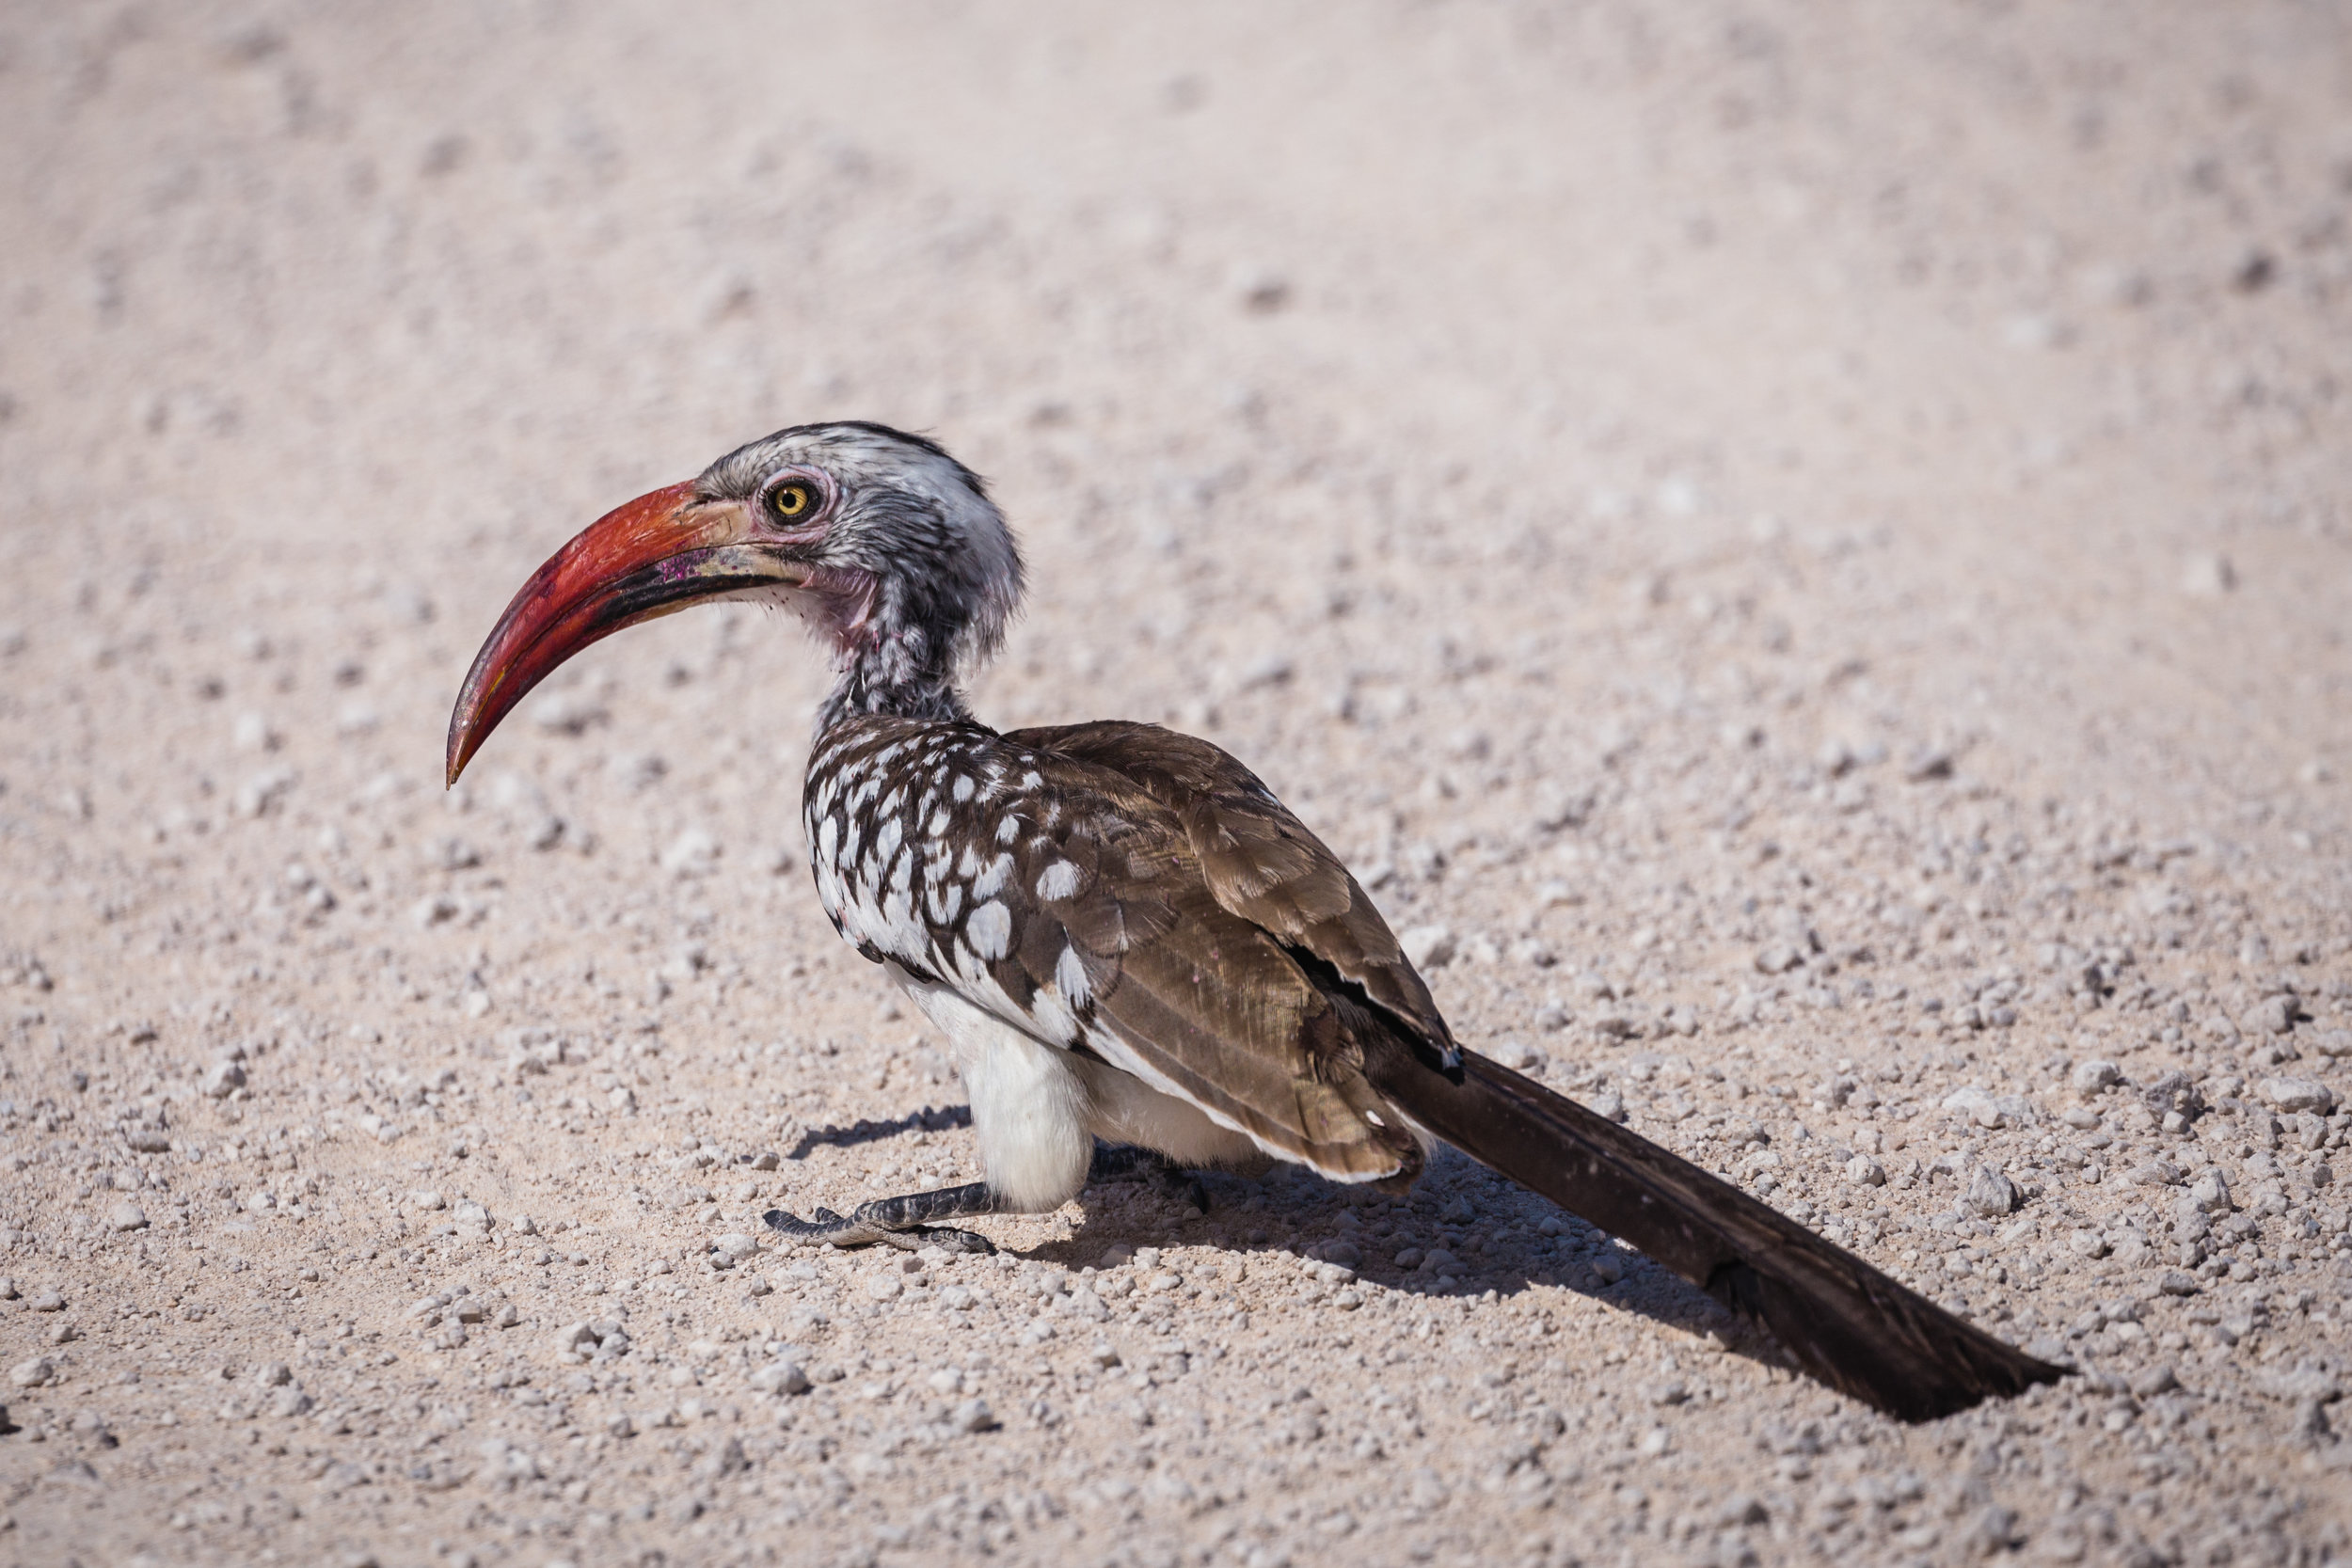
x=888, y=546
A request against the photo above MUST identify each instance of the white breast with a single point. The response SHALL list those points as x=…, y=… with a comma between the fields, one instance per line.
x=1029, y=1106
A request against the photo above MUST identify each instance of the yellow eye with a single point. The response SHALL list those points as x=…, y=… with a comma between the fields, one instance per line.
x=789, y=502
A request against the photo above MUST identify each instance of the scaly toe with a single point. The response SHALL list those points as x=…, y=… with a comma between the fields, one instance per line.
x=948, y=1238
x=827, y=1226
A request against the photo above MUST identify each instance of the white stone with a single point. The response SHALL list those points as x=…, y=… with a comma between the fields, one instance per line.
x=2211, y=1193
x=1991, y=1110
x=2208, y=575
x=694, y=853
x=781, y=1377
x=2298, y=1094
x=1990, y=1193
x=1429, y=946
x=2091, y=1077
x=126, y=1215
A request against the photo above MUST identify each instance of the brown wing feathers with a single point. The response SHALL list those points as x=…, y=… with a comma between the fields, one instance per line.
x=1259, y=861
x=1205, y=1002
x=1324, y=973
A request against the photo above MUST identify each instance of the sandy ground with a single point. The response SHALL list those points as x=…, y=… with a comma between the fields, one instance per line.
x=1803, y=546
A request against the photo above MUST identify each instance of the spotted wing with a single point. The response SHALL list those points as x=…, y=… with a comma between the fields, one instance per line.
x=1061, y=894
x=1261, y=863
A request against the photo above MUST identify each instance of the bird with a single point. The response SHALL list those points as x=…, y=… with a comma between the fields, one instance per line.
x=1135, y=951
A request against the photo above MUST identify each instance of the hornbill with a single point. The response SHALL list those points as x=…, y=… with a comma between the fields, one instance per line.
x=1121, y=932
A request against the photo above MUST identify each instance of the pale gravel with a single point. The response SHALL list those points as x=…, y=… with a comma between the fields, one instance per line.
x=1799, y=548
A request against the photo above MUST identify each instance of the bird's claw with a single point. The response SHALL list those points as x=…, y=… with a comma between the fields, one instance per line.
x=948, y=1239
x=825, y=1226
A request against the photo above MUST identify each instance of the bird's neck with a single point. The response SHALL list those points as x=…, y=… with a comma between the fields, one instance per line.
x=897, y=675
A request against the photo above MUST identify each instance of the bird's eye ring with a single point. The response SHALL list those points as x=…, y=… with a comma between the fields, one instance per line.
x=791, y=500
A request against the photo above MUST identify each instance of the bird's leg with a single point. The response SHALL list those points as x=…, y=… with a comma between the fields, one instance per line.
x=910, y=1221
x=1127, y=1163
x=905, y=1222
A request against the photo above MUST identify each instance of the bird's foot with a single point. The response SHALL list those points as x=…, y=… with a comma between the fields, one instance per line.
x=902, y=1222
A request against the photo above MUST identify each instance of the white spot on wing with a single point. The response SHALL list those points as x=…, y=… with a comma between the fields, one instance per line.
x=1070, y=977
x=1057, y=880
x=991, y=881
x=1052, y=1018
x=990, y=930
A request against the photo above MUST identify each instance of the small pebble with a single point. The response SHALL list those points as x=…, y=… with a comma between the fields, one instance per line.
x=2089, y=1078
x=1429, y=946
x=36, y=1374
x=126, y=1215
x=45, y=1301
x=1990, y=1194
x=781, y=1377
x=2298, y=1094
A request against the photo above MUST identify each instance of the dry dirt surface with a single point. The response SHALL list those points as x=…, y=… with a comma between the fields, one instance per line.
x=1800, y=549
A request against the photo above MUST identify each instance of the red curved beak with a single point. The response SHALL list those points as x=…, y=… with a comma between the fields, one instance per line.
x=654, y=556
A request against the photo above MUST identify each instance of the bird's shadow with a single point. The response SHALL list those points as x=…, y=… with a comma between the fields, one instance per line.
x=930, y=1119
x=1292, y=1210
x=1295, y=1211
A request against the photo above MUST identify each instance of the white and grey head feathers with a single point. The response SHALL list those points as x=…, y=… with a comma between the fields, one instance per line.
x=925, y=572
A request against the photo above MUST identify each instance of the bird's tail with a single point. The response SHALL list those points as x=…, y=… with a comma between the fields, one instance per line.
x=1842, y=1320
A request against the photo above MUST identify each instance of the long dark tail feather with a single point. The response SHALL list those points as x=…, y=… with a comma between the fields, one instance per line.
x=1843, y=1321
